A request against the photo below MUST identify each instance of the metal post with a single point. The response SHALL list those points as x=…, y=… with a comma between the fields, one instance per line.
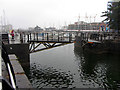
x=63, y=36
x=52, y=36
x=101, y=37
x=47, y=37
x=28, y=37
x=21, y=37
x=37, y=36
x=69, y=37
x=104, y=36
x=87, y=36
x=34, y=35
x=58, y=36
x=109, y=36
x=98, y=37
x=24, y=37
x=43, y=36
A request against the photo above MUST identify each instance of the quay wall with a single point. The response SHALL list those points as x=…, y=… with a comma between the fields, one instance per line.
x=21, y=51
x=106, y=46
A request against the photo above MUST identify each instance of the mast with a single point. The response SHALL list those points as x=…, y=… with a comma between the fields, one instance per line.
x=79, y=22
x=1, y=24
x=4, y=22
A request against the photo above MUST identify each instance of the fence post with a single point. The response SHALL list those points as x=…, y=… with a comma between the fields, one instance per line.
x=24, y=37
x=52, y=36
x=101, y=37
x=28, y=37
x=69, y=37
x=34, y=36
x=37, y=36
x=21, y=37
x=58, y=36
x=47, y=37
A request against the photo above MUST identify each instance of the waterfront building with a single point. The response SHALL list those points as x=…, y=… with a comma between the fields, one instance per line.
x=50, y=29
x=37, y=29
x=84, y=26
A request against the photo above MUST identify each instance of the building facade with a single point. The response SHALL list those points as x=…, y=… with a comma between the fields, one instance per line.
x=50, y=29
x=84, y=26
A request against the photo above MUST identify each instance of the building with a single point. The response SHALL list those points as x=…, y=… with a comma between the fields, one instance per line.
x=50, y=29
x=84, y=26
x=37, y=29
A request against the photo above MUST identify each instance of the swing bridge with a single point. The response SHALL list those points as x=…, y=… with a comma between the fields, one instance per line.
x=43, y=41
x=39, y=41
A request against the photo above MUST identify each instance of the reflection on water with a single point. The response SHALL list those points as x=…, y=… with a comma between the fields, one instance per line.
x=69, y=67
x=103, y=69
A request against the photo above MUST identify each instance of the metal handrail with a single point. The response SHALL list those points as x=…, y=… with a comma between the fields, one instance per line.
x=9, y=67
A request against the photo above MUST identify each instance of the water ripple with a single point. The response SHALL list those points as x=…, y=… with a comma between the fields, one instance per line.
x=42, y=76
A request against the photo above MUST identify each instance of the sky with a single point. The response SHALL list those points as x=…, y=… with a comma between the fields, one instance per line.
x=46, y=13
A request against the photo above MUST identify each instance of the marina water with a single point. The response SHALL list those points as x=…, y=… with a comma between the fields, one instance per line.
x=68, y=67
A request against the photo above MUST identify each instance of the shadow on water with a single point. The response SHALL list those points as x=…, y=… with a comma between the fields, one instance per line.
x=49, y=77
x=102, y=69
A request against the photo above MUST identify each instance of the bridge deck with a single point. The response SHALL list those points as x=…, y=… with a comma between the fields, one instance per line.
x=44, y=41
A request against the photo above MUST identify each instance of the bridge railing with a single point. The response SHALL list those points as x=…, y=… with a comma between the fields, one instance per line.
x=99, y=36
x=60, y=36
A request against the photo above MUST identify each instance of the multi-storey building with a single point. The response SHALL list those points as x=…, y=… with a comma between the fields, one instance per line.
x=84, y=26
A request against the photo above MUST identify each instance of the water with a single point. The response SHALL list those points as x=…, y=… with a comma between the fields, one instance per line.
x=67, y=67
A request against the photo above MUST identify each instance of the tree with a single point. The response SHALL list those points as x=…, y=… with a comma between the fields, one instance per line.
x=113, y=15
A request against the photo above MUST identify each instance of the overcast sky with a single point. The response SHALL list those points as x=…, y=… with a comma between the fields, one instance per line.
x=45, y=13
